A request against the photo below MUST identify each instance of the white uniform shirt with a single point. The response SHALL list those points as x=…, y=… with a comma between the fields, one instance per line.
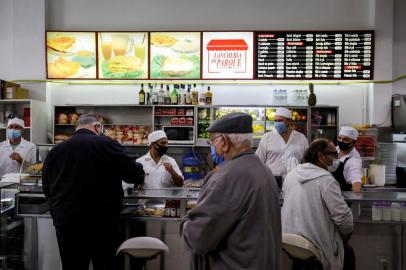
x=26, y=149
x=353, y=167
x=275, y=153
x=155, y=174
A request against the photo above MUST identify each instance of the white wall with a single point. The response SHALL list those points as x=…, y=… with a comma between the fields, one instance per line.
x=209, y=14
x=6, y=38
x=399, y=50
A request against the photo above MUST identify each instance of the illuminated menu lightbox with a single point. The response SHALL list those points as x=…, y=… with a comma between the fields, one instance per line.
x=315, y=55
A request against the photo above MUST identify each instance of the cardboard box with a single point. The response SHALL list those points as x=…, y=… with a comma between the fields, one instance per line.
x=13, y=92
x=3, y=85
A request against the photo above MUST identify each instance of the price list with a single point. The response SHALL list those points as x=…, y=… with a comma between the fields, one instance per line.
x=315, y=55
x=271, y=55
x=299, y=56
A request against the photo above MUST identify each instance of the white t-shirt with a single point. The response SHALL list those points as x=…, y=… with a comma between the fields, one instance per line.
x=275, y=153
x=155, y=174
x=353, y=167
x=26, y=149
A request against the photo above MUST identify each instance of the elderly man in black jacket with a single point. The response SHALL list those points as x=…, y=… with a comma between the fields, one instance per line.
x=82, y=179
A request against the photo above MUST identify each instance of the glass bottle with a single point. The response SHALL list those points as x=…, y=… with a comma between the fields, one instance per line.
x=141, y=95
x=161, y=95
x=208, y=96
x=174, y=95
x=167, y=98
x=188, y=98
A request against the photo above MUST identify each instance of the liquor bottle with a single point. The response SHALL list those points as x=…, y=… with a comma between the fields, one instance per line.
x=202, y=96
x=149, y=95
x=208, y=96
x=174, y=95
x=155, y=95
x=188, y=98
x=195, y=96
x=161, y=95
x=167, y=97
x=141, y=95
x=182, y=95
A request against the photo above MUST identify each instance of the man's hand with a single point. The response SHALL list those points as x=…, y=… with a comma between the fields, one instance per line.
x=17, y=157
x=168, y=167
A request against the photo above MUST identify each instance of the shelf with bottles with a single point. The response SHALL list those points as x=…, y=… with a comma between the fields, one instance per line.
x=120, y=118
x=30, y=111
x=257, y=113
x=203, y=122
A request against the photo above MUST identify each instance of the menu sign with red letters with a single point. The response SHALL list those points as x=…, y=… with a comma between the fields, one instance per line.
x=305, y=55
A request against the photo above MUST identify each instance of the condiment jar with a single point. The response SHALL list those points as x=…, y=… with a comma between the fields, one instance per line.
x=386, y=211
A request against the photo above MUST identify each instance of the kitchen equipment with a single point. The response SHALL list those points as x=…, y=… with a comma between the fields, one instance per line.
x=398, y=113
x=387, y=157
x=400, y=140
x=377, y=174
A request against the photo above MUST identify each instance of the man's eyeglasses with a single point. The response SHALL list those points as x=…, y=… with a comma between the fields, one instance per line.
x=278, y=120
x=210, y=142
x=335, y=154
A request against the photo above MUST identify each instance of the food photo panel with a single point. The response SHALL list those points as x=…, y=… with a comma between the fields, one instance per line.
x=71, y=55
x=123, y=55
x=175, y=55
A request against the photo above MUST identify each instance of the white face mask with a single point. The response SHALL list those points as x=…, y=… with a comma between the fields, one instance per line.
x=334, y=165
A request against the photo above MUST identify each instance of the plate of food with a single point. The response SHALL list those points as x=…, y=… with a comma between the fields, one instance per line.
x=62, y=68
x=175, y=66
x=162, y=40
x=186, y=46
x=122, y=66
x=61, y=45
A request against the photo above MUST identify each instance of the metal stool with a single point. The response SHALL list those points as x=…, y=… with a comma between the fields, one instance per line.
x=302, y=252
x=146, y=248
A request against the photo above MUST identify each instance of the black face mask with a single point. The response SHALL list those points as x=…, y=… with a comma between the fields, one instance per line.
x=162, y=150
x=344, y=146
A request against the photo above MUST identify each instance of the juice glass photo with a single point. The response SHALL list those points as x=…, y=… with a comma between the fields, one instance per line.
x=106, y=46
x=120, y=43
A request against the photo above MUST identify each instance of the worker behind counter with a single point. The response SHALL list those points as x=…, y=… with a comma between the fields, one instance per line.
x=278, y=147
x=161, y=171
x=348, y=169
x=15, y=149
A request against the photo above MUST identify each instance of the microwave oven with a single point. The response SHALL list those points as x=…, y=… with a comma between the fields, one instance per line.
x=179, y=135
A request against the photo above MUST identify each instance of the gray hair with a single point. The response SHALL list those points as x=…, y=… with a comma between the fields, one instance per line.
x=87, y=119
x=237, y=139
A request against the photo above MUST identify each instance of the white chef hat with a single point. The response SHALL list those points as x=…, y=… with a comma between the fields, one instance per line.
x=349, y=132
x=15, y=121
x=155, y=136
x=283, y=112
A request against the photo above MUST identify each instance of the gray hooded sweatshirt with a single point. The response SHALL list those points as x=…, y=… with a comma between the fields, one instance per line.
x=314, y=208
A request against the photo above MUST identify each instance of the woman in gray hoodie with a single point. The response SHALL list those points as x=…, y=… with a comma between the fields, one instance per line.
x=314, y=207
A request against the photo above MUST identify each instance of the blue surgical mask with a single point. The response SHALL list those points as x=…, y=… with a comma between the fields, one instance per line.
x=281, y=127
x=217, y=159
x=13, y=134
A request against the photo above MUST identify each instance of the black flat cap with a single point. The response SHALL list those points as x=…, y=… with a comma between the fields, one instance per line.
x=232, y=123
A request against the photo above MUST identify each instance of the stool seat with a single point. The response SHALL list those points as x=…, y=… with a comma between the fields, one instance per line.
x=299, y=247
x=143, y=247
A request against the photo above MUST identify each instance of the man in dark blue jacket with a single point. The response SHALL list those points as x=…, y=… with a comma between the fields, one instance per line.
x=82, y=179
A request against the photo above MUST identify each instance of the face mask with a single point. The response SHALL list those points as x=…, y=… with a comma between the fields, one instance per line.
x=281, y=127
x=344, y=146
x=217, y=159
x=334, y=165
x=13, y=134
x=162, y=150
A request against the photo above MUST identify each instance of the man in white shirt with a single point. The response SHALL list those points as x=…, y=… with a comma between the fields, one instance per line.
x=277, y=147
x=161, y=171
x=349, y=170
x=15, y=149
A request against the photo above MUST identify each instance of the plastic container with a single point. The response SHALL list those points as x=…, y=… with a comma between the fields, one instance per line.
x=395, y=211
x=386, y=211
x=403, y=211
x=191, y=166
x=377, y=211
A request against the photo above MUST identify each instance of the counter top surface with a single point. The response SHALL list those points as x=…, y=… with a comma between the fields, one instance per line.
x=375, y=196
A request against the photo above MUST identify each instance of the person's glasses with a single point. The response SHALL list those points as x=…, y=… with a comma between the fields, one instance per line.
x=335, y=154
x=211, y=141
x=278, y=120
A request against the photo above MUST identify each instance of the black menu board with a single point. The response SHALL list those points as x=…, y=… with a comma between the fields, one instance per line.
x=315, y=55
